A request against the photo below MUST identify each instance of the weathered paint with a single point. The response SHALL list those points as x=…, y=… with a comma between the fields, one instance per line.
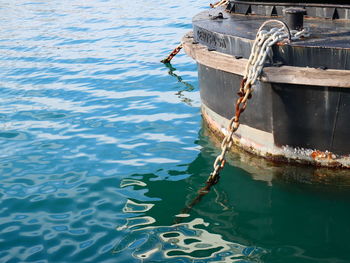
x=234, y=35
x=261, y=143
x=293, y=116
x=272, y=74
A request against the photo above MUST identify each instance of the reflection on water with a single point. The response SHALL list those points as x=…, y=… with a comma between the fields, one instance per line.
x=190, y=241
x=181, y=92
x=100, y=150
x=268, y=171
x=185, y=242
x=256, y=213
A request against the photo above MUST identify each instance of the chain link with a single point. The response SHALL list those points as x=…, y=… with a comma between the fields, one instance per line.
x=172, y=54
x=260, y=50
x=220, y=3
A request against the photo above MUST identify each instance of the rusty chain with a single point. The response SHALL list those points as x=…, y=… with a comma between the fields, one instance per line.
x=220, y=3
x=172, y=54
x=260, y=50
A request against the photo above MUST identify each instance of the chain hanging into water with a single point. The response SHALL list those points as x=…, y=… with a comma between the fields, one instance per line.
x=220, y=3
x=172, y=54
x=260, y=50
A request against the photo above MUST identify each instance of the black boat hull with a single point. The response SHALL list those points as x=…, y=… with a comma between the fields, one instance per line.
x=283, y=121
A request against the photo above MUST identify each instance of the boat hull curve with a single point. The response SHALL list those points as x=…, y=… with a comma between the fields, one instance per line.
x=289, y=121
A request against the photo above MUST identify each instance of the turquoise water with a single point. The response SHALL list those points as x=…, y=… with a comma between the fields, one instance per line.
x=103, y=147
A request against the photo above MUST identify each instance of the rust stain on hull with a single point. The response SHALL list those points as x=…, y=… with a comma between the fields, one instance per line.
x=269, y=150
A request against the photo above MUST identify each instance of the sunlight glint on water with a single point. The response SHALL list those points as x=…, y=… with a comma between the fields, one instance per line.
x=102, y=147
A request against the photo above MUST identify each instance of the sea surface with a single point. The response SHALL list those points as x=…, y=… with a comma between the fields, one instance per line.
x=103, y=148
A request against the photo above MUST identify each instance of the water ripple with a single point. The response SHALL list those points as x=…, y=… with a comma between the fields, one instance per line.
x=85, y=110
x=185, y=241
